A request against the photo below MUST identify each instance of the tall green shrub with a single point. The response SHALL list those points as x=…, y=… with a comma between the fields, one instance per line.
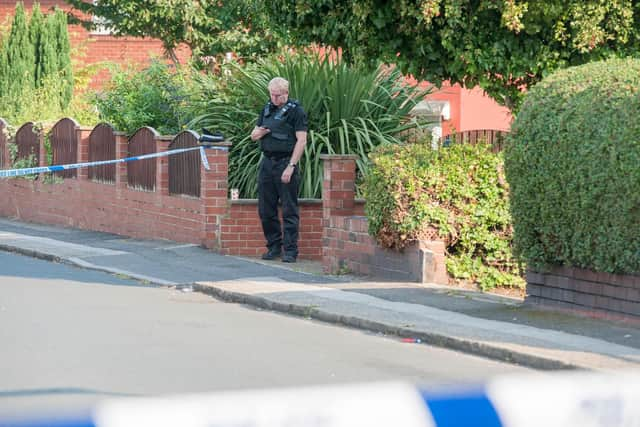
x=3, y=62
x=63, y=50
x=457, y=194
x=46, y=56
x=573, y=166
x=37, y=31
x=351, y=110
x=35, y=67
x=20, y=57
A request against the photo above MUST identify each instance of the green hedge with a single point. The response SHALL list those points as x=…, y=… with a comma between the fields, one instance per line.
x=573, y=164
x=458, y=193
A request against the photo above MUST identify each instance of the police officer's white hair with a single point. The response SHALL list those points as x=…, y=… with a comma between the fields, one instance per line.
x=278, y=83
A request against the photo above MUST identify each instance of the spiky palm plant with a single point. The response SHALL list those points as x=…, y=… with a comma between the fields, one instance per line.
x=351, y=110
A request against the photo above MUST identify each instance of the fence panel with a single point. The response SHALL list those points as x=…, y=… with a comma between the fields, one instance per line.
x=28, y=143
x=493, y=137
x=4, y=163
x=141, y=174
x=184, y=168
x=102, y=146
x=64, y=146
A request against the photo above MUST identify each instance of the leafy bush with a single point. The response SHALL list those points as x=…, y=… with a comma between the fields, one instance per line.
x=457, y=194
x=351, y=111
x=572, y=163
x=156, y=96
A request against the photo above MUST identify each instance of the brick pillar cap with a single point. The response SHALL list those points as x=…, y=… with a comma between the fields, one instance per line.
x=339, y=157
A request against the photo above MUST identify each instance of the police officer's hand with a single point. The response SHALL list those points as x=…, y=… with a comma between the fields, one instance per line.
x=287, y=174
x=258, y=132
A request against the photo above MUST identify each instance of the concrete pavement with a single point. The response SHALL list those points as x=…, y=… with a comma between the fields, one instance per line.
x=486, y=325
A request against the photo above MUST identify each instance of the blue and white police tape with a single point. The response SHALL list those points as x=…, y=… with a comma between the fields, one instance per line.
x=533, y=400
x=8, y=173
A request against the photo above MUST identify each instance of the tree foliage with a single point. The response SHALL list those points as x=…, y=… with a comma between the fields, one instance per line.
x=501, y=45
x=207, y=27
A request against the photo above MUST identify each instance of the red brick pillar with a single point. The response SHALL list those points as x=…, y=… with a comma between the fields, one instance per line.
x=162, y=165
x=122, y=151
x=213, y=194
x=338, y=200
x=338, y=185
x=82, y=136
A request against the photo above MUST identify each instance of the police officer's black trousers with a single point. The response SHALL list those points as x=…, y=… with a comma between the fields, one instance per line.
x=270, y=190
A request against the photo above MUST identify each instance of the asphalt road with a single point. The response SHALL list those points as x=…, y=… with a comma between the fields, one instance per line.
x=71, y=337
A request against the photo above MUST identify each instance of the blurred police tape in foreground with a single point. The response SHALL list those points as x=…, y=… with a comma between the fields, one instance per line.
x=206, y=140
x=574, y=399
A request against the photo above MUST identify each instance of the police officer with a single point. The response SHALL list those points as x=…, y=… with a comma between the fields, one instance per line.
x=282, y=132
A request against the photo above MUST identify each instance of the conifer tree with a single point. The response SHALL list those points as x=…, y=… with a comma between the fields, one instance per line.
x=48, y=58
x=20, y=61
x=3, y=66
x=63, y=51
x=36, y=34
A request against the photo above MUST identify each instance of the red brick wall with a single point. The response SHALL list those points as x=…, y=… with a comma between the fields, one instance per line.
x=604, y=294
x=347, y=246
x=242, y=232
x=102, y=207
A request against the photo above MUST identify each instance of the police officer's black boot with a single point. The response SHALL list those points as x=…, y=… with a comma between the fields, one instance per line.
x=288, y=258
x=272, y=253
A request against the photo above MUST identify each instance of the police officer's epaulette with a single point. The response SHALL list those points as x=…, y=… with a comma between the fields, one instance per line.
x=267, y=109
x=290, y=105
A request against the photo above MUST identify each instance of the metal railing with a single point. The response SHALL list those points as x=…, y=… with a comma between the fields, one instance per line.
x=493, y=137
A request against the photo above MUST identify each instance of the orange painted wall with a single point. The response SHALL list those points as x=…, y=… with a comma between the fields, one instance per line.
x=478, y=111
x=470, y=109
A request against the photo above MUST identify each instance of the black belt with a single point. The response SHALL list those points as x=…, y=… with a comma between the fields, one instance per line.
x=275, y=156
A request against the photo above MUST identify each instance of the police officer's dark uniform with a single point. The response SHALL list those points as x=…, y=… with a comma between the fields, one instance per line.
x=277, y=147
